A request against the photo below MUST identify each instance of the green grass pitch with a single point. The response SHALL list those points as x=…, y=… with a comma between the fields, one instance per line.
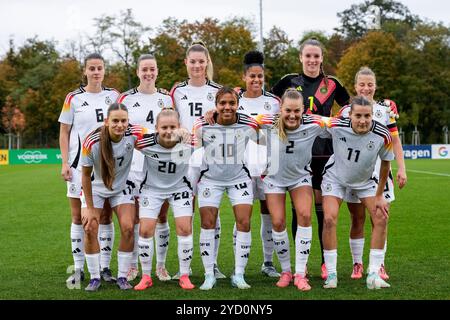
x=35, y=246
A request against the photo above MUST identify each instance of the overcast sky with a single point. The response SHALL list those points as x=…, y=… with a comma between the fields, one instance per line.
x=62, y=20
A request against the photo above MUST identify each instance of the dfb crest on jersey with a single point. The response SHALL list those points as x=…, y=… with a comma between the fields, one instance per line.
x=210, y=96
x=145, y=202
x=304, y=133
x=72, y=188
x=378, y=114
x=129, y=146
x=206, y=193
x=328, y=187
x=267, y=106
x=270, y=185
x=160, y=103
x=323, y=90
x=371, y=145
x=238, y=133
x=108, y=100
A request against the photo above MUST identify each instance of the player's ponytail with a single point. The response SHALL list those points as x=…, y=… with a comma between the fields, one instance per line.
x=107, y=161
x=199, y=46
x=279, y=124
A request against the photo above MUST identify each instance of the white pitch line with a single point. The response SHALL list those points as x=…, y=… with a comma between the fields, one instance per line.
x=428, y=172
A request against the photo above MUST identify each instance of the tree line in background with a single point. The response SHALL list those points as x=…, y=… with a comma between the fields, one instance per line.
x=410, y=57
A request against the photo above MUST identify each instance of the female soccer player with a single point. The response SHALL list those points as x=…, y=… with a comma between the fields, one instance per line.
x=192, y=98
x=108, y=151
x=254, y=100
x=166, y=169
x=82, y=112
x=358, y=141
x=144, y=104
x=290, y=171
x=365, y=85
x=223, y=169
x=319, y=91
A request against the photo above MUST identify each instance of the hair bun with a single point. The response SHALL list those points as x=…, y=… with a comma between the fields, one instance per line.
x=254, y=57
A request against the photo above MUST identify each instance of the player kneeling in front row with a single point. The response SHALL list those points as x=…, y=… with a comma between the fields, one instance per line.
x=290, y=143
x=166, y=164
x=108, y=151
x=357, y=142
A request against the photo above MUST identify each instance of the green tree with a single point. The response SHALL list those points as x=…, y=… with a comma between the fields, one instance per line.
x=354, y=24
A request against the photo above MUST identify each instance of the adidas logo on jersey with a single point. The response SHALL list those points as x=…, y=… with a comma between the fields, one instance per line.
x=154, y=156
x=343, y=139
x=136, y=105
x=184, y=97
x=245, y=194
x=305, y=181
x=187, y=203
x=85, y=104
x=241, y=108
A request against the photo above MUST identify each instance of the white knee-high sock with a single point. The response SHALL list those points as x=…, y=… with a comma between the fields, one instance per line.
x=123, y=260
x=134, y=258
x=357, y=249
x=77, y=239
x=106, y=241
x=162, y=234
x=376, y=258
x=330, y=257
x=146, y=254
x=217, y=232
x=243, y=246
x=266, y=237
x=207, y=249
x=93, y=264
x=185, y=252
x=281, y=244
x=303, y=239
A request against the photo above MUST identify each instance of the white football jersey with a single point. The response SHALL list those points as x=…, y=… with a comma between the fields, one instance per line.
x=142, y=110
x=355, y=155
x=166, y=170
x=193, y=102
x=267, y=103
x=381, y=115
x=290, y=159
x=122, y=154
x=224, y=149
x=84, y=111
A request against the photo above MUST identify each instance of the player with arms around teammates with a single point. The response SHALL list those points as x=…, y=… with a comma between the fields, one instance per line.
x=107, y=153
x=144, y=104
x=166, y=166
x=83, y=111
x=192, y=98
x=223, y=169
x=358, y=141
x=289, y=171
x=365, y=85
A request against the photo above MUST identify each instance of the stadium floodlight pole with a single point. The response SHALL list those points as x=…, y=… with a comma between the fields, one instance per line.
x=261, y=40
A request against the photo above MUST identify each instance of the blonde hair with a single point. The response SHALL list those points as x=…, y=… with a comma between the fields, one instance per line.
x=167, y=112
x=199, y=46
x=290, y=93
x=365, y=71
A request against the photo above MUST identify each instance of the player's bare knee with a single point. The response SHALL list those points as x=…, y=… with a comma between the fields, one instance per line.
x=279, y=225
x=127, y=230
x=329, y=222
x=243, y=225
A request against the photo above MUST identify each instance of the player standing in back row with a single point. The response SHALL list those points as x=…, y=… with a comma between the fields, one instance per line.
x=319, y=91
x=84, y=110
x=192, y=98
x=144, y=104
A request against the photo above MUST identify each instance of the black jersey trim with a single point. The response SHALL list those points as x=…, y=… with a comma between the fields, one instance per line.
x=326, y=168
x=77, y=157
x=185, y=180
x=202, y=174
